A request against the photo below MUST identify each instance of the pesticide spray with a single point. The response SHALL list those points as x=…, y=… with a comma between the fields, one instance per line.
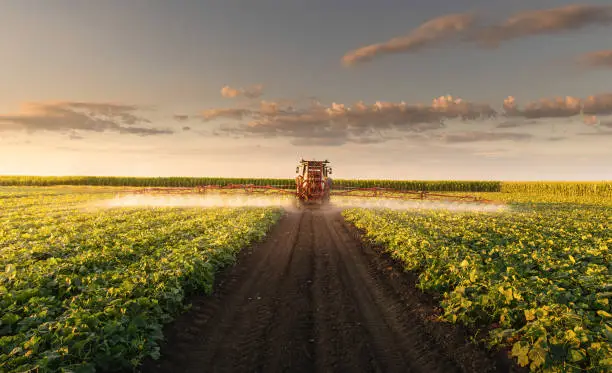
x=209, y=200
x=286, y=202
x=398, y=204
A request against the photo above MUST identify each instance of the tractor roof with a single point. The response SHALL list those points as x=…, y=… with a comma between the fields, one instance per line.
x=314, y=162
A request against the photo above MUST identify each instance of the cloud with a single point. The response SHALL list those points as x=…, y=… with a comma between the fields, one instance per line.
x=180, y=117
x=228, y=92
x=427, y=34
x=597, y=59
x=78, y=116
x=254, y=91
x=360, y=123
x=462, y=27
x=598, y=104
x=560, y=107
x=232, y=113
x=516, y=123
x=144, y=131
x=544, y=21
x=484, y=136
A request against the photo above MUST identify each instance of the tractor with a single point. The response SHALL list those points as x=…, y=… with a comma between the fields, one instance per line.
x=313, y=188
x=313, y=184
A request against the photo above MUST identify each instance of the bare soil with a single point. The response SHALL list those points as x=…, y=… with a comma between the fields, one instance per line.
x=313, y=298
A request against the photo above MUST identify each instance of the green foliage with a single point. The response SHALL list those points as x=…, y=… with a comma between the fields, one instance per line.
x=552, y=189
x=559, y=189
x=538, y=276
x=533, y=200
x=83, y=289
x=420, y=185
x=138, y=181
x=468, y=186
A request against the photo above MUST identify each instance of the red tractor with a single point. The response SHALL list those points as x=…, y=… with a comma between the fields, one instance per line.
x=313, y=185
x=314, y=188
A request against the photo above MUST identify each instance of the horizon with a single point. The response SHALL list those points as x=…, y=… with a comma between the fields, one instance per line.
x=289, y=178
x=504, y=91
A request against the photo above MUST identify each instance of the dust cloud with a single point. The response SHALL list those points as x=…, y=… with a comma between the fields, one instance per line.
x=286, y=202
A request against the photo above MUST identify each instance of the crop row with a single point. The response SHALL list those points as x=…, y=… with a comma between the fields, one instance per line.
x=573, y=189
x=85, y=289
x=137, y=181
x=578, y=189
x=539, y=280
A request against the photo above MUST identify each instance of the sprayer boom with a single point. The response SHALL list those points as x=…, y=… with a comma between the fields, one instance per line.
x=314, y=187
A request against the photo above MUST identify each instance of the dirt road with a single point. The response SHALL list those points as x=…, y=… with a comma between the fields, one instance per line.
x=312, y=299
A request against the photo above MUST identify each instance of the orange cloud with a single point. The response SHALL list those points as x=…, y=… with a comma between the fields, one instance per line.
x=231, y=113
x=431, y=32
x=598, y=104
x=560, y=107
x=544, y=21
x=598, y=59
x=339, y=123
x=65, y=116
x=462, y=27
x=227, y=91
x=254, y=91
x=269, y=108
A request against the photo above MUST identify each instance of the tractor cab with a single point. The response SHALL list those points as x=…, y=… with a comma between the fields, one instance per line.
x=308, y=169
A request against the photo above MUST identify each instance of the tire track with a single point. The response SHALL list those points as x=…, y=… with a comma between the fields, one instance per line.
x=337, y=321
x=196, y=338
x=398, y=348
x=448, y=340
x=288, y=337
x=241, y=342
x=312, y=298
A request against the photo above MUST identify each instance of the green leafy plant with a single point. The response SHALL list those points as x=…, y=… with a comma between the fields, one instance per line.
x=82, y=290
x=538, y=276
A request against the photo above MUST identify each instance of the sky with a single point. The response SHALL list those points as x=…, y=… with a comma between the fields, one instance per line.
x=437, y=89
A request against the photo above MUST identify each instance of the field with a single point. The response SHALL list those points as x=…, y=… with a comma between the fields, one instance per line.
x=540, y=279
x=81, y=288
x=565, y=189
x=96, y=289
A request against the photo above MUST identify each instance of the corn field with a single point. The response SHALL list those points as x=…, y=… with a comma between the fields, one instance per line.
x=600, y=188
